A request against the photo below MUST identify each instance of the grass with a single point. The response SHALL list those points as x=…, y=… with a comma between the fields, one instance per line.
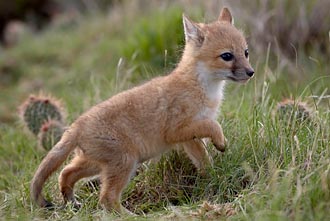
x=272, y=170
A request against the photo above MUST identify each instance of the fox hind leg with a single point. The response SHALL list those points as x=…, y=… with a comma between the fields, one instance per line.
x=78, y=168
x=114, y=178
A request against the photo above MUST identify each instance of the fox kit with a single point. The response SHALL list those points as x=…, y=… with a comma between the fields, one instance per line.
x=113, y=137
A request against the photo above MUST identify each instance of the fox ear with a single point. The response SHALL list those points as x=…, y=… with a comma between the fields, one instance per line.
x=226, y=16
x=192, y=31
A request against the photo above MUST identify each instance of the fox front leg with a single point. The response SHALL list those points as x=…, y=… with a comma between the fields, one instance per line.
x=220, y=145
x=199, y=129
x=196, y=151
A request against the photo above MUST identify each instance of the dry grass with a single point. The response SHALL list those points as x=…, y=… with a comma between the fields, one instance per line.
x=170, y=181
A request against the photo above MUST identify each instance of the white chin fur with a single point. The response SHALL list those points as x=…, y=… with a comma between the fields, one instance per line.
x=212, y=83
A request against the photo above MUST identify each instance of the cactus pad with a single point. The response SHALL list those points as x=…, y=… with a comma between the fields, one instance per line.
x=37, y=110
x=50, y=133
x=289, y=110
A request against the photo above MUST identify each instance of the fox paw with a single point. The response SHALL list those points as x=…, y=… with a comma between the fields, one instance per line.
x=49, y=206
x=221, y=146
x=76, y=205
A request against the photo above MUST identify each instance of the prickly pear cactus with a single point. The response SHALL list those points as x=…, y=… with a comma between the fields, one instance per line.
x=289, y=110
x=36, y=110
x=50, y=133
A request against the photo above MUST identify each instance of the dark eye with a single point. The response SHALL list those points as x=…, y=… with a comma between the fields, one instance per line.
x=227, y=56
x=246, y=53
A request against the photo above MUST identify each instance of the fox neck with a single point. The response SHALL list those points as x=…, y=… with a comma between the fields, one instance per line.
x=196, y=69
x=213, y=88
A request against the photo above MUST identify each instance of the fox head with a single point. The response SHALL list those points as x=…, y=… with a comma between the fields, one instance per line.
x=218, y=49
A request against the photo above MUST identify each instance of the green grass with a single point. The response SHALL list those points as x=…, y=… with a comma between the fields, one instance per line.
x=272, y=170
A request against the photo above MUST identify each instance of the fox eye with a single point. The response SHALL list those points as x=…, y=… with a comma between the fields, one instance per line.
x=227, y=56
x=246, y=53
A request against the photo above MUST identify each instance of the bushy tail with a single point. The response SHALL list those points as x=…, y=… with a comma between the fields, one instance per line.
x=49, y=164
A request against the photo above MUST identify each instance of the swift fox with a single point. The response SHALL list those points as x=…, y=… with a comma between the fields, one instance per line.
x=114, y=136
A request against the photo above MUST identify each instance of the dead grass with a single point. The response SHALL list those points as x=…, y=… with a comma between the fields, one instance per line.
x=170, y=181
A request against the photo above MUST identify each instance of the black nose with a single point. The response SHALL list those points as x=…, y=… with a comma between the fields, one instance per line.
x=250, y=72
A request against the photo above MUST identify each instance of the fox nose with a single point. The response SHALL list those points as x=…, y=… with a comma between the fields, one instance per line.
x=250, y=72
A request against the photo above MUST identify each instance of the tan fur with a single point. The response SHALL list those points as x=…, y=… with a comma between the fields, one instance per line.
x=141, y=123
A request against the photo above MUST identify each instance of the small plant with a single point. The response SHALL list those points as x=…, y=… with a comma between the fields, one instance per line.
x=50, y=133
x=44, y=117
x=290, y=110
x=37, y=110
